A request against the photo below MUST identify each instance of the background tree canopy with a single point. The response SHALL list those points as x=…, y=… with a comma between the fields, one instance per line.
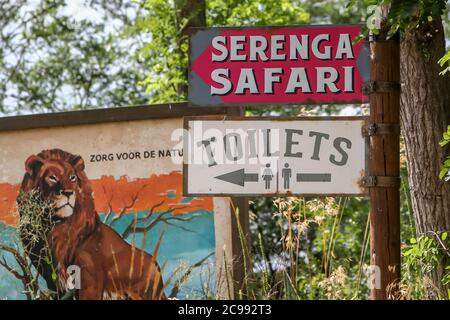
x=63, y=55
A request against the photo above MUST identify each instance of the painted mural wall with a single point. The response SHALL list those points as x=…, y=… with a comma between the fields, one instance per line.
x=97, y=212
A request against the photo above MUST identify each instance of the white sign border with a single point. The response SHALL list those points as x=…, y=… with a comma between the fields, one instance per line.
x=364, y=191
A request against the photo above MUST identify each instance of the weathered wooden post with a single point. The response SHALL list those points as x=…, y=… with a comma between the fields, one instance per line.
x=384, y=165
x=233, y=218
x=240, y=228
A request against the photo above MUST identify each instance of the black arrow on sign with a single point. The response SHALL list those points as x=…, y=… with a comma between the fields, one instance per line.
x=238, y=177
x=313, y=177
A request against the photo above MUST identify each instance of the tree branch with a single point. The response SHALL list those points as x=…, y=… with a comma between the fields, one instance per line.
x=133, y=226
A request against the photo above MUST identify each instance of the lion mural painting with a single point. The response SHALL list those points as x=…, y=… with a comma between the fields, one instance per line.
x=109, y=266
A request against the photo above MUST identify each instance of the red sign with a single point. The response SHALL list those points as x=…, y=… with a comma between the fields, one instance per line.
x=281, y=65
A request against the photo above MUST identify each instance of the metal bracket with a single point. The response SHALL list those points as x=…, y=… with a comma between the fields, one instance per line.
x=380, y=128
x=380, y=182
x=370, y=87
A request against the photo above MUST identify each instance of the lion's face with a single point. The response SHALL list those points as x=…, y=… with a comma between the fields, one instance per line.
x=60, y=184
x=58, y=180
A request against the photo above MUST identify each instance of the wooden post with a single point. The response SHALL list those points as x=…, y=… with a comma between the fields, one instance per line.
x=230, y=270
x=384, y=167
x=240, y=242
x=232, y=247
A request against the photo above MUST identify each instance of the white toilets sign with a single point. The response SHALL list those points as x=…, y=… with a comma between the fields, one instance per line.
x=274, y=156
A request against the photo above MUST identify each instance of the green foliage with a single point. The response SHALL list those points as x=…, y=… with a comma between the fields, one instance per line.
x=167, y=51
x=311, y=249
x=444, y=173
x=56, y=56
x=333, y=246
x=166, y=54
x=445, y=60
x=255, y=12
x=420, y=257
x=35, y=224
x=36, y=216
x=409, y=13
x=404, y=14
x=338, y=11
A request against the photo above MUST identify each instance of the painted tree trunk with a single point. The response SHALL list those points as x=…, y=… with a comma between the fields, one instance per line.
x=425, y=112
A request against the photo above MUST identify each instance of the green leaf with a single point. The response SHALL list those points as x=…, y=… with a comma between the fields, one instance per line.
x=442, y=63
x=443, y=172
x=351, y=3
x=444, y=59
x=443, y=142
x=444, y=236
